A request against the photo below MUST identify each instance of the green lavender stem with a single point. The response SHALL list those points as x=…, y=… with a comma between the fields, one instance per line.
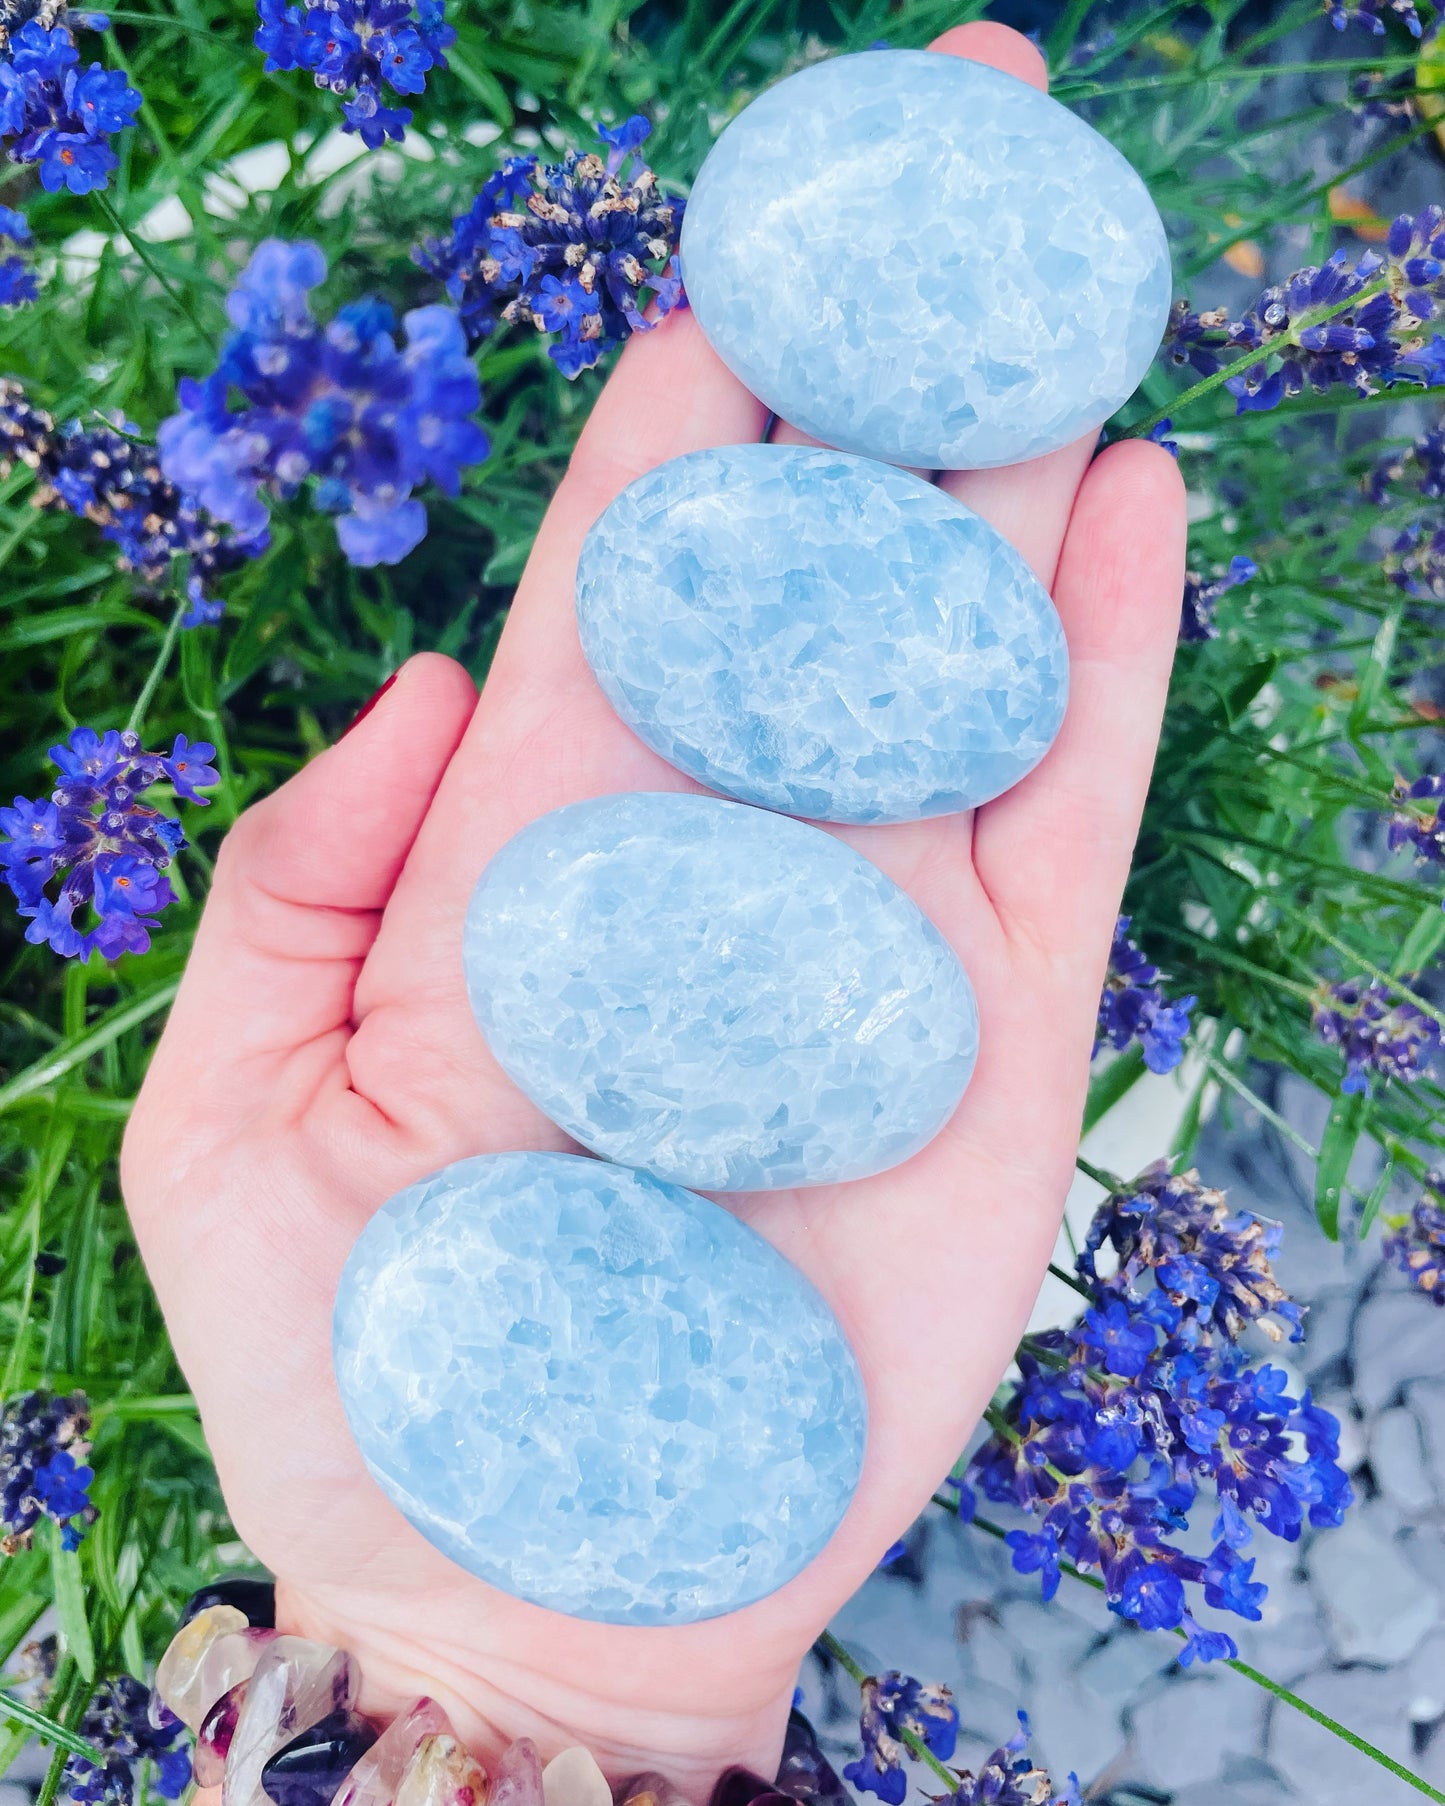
x=1250, y=1673
x=911, y=1741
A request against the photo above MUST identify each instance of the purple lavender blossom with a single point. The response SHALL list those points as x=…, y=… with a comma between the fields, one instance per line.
x=115, y=1723
x=113, y=479
x=1415, y=562
x=1196, y=620
x=58, y=116
x=1331, y=325
x=109, y=848
x=354, y=47
x=342, y=406
x=1009, y=1778
x=1372, y=13
x=1416, y=1243
x=576, y=248
x=43, y=1449
x=1425, y=459
x=1132, y=1007
x=1417, y=822
x=1391, y=1040
x=894, y=1703
x=17, y=279
x=1117, y=1426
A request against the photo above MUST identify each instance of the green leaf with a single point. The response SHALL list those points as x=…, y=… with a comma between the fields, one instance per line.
x=70, y=1603
x=1337, y=1149
x=1108, y=1086
x=76, y=1053
x=1378, y=1193
x=1422, y=943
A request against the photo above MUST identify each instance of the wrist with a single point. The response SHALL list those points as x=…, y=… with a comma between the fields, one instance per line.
x=496, y=1695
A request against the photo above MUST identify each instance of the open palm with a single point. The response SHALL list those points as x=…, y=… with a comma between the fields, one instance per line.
x=326, y=1056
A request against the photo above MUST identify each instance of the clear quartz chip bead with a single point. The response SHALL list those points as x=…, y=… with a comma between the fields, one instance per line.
x=650, y=1789
x=296, y=1683
x=574, y=1779
x=213, y=1740
x=442, y=1773
x=376, y=1778
x=184, y=1675
x=517, y=1780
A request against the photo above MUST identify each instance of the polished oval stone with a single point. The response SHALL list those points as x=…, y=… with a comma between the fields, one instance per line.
x=730, y=999
x=919, y=258
x=821, y=634
x=596, y=1391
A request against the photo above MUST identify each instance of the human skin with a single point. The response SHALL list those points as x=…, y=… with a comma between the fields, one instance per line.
x=321, y=1055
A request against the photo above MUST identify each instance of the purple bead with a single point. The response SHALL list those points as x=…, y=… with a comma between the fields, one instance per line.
x=213, y=1740
x=805, y=1773
x=741, y=1787
x=255, y=1600
x=309, y=1770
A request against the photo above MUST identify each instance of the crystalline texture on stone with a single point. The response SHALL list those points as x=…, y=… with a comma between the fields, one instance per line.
x=596, y=1391
x=309, y=1770
x=572, y=1778
x=650, y=1789
x=727, y=998
x=375, y=1778
x=296, y=1683
x=442, y=1773
x=216, y=1735
x=182, y=1680
x=517, y=1777
x=922, y=259
x=820, y=634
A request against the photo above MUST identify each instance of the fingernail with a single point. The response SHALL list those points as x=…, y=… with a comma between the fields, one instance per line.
x=370, y=703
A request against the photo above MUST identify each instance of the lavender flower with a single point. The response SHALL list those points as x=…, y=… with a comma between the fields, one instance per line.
x=1415, y=563
x=113, y=479
x=1426, y=457
x=110, y=847
x=1371, y=337
x=17, y=279
x=894, y=1703
x=1416, y=1243
x=1371, y=14
x=1009, y=1778
x=1391, y=1040
x=353, y=47
x=43, y=1449
x=1417, y=822
x=1117, y=1425
x=575, y=248
x=1133, y=1007
x=1214, y=1263
x=115, y=1723
x=1196, y=620
x=342, y=404
x=59, y=118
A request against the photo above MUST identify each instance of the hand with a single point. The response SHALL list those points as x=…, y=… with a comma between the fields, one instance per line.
x=321, y=1055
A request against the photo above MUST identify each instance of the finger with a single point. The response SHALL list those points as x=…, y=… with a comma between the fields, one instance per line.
x=1053, y=853
x=544, y=734
x=300, y=886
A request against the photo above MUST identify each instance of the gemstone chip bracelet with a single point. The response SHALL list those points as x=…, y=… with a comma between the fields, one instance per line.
x=274, y=1718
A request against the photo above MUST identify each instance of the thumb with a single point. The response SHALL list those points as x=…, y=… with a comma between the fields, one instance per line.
x=300, y=886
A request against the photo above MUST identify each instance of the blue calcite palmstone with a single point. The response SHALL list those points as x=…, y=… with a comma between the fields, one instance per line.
x=596, y=1391
x=727, y=998
x=919, y=258
x=821, y=634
